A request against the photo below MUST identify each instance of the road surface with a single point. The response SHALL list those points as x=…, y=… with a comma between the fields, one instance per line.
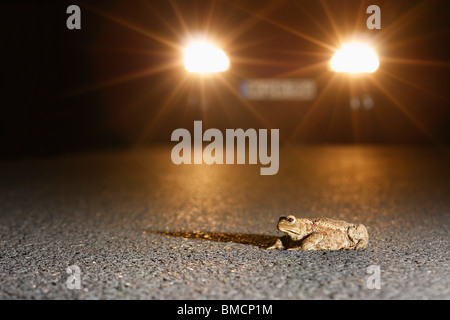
x=132, y=225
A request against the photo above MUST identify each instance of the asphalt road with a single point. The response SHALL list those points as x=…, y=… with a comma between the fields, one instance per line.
x=140, y=227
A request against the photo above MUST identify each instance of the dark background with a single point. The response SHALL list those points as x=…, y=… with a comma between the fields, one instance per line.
x=64, y=90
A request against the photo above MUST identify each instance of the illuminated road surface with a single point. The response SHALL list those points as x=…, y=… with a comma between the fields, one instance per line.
x=138, y=226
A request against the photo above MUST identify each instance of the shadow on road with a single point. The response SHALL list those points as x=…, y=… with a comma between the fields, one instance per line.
x=262, y=241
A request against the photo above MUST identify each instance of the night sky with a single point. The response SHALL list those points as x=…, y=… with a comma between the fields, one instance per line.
x=117, y=81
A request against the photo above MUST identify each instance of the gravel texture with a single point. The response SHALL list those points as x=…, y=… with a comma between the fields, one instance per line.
x=140, y=227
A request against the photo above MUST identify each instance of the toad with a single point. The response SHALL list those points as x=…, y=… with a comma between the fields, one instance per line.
x=320, y=234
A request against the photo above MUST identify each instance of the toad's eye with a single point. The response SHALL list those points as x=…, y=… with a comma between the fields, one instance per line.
x=290, y=219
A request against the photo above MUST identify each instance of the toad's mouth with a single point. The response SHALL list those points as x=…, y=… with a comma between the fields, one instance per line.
x=288, y=229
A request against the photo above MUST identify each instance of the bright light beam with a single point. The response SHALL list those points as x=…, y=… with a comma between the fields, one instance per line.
x=204, y=57
x=355, y=57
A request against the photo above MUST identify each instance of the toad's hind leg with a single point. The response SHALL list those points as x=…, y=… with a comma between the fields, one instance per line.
x=359, y=236
x=312, y=241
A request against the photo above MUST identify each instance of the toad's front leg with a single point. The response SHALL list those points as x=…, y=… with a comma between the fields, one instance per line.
x=282, y=243
x=278, y=245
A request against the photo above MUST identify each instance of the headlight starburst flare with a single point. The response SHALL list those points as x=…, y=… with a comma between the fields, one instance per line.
x=204, y=57
x=355, y=57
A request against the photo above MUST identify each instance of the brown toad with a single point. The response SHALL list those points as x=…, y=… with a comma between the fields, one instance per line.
x=320, y=234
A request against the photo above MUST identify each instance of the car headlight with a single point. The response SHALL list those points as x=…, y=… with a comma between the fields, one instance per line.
x=204, y=57
x=355, y=57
